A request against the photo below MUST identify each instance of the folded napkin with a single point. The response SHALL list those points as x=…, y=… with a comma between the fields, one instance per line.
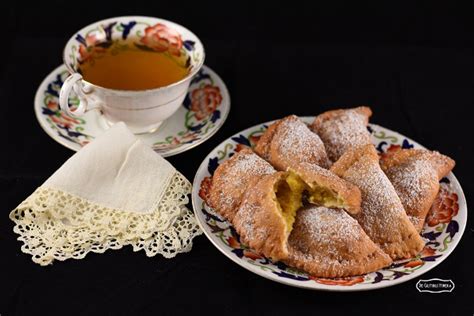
x=115, y=191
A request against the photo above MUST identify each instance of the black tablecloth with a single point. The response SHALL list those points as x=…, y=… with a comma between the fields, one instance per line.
x=414, y=66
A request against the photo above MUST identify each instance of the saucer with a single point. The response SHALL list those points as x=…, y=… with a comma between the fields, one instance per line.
x=201, y=115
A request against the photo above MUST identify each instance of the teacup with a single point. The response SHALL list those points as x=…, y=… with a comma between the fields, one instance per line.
x=142, y=110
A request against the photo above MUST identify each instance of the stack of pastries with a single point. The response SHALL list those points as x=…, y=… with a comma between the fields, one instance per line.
x=319, y=197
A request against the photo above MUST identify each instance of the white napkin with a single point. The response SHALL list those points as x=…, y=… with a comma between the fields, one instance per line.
x=115, y=191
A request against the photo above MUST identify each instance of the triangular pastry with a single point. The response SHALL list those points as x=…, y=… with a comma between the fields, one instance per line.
x=382, y=215
x=342, y=129
x=289, y=141
x=232, y=178
x=266, y=215
x=330, y=243
x=288, y=144
x=415, y=175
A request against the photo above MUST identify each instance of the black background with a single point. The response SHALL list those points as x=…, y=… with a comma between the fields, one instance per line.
x=413, y=65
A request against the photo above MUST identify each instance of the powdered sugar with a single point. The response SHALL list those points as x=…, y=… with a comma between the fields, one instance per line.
x=324, y=227
x=412, y=180
x=343, y=132
x=415, y=220
x=329, y=242
x=299, y=143
x=251, y=164
x=381, y=208
x=242, y=168
x=250, y=231
x=226, y=200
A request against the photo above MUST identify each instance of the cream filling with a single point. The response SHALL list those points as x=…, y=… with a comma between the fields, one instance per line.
x=292, y=193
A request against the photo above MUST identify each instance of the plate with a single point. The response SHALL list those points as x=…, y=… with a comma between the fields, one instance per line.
x=442, y=231
x=202, y=114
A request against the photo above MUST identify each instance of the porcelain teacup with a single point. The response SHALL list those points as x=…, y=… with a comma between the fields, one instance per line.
x=142, y=110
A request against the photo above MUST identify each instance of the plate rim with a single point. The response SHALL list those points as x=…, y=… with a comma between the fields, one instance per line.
x=172, y=152
x=316, y=286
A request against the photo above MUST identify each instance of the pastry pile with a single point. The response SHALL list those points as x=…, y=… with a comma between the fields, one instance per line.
x=319, y=197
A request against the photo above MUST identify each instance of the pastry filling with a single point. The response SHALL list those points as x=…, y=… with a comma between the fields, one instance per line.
x=325, y=197
x=292, y=193
x=289, y=195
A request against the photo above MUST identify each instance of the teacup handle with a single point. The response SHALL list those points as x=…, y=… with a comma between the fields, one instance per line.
x=74, y=82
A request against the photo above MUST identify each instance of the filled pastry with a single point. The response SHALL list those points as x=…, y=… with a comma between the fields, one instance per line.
x=415, y=175
x=342, y=129
x=266, y=215
x=232, y=178
x=382, y=215
x=327, y=188
x=330, y=243
x=288, y=142
x=320, y=199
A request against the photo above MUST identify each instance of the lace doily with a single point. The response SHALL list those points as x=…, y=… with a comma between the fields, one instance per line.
x=54, y=224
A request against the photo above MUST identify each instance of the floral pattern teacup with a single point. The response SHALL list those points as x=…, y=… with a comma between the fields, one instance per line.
x=143, y=111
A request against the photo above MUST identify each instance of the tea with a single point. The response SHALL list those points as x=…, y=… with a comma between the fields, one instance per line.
x=132, y=69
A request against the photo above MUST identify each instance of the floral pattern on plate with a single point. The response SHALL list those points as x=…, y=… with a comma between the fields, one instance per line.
x=443, y=229
x=203, y=112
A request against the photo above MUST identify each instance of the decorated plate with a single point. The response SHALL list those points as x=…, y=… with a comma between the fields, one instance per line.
x=202, y=114
x=443, y=229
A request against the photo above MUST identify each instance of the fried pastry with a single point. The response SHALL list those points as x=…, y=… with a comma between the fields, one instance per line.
x=288, y=142
x=415, y=175
x=330, y=243
x=342, y=129
x=382, y=215
x=266, y=215
x=232, y=178
x=327, y=188
x=262, y=222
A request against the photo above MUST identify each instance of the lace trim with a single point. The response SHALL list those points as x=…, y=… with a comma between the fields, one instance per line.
x=54, y=224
